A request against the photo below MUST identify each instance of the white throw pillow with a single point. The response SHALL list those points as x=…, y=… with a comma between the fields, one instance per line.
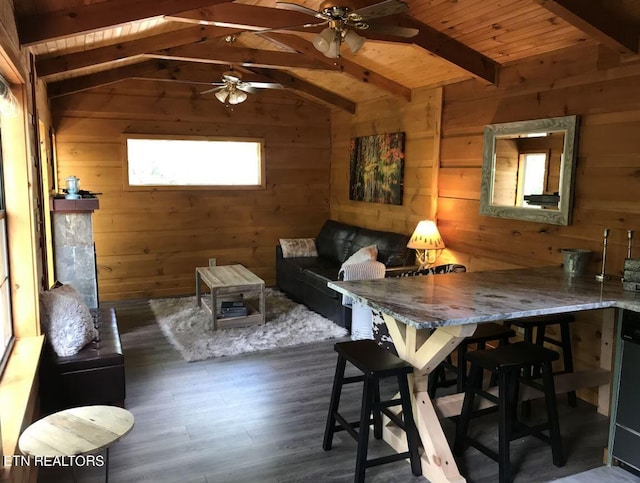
x=298, y=247
x=365, y=254
x=66, y=320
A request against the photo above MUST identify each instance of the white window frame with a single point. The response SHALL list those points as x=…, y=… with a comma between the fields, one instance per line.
x=173, y=187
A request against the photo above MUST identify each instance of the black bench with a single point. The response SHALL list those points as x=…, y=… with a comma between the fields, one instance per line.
x=95, y=375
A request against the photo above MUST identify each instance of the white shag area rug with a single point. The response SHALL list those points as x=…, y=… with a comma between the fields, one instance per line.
x=188, y=327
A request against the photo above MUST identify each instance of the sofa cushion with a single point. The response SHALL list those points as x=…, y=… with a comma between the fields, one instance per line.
x=298, y=264
x=334, y=241
x=392, y=247
x=318, y=277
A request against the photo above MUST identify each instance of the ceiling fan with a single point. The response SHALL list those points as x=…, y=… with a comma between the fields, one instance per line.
x=342, y=22
x=234, y=90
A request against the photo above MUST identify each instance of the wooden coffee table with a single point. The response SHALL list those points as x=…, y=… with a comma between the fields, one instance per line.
x=230, y=282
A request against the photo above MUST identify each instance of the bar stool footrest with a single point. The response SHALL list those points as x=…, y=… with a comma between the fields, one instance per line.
x=352, y=379
x=381, y=460
x=485, y=450
x=345, y=425
x=394, y=417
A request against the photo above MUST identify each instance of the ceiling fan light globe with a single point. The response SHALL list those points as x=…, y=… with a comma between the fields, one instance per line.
x=322, y=41
x=354, y=41
x=236, y=97
x=221, y=95
x=333, y=52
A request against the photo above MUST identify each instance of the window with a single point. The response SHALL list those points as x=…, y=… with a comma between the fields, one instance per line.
x=533, y=177
x=154, y=162
x=6, y=323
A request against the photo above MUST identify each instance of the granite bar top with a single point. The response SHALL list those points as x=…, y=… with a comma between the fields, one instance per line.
x=475, y=297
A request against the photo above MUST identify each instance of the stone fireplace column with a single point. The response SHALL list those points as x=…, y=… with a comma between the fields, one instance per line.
x=73, y=245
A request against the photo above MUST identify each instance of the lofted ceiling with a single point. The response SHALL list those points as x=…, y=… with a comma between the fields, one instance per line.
x=83, y=44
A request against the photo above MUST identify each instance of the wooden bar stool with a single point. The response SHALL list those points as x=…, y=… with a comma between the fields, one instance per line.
x=489, y=332
x=507, y=363
x=540, y=323
x=375, y=363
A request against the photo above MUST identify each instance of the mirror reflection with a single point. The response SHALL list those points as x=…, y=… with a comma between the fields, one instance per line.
x=528, y=168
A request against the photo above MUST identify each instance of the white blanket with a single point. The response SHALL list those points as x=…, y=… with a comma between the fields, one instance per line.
x=361, y=316
x=368, y=270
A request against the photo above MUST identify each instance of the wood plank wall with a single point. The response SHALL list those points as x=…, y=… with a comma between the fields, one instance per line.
x=607, y=99
x=420, y=121
x=148, y=243
x=606, y=183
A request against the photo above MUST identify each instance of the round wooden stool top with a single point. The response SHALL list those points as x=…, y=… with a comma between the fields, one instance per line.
x=76, y=431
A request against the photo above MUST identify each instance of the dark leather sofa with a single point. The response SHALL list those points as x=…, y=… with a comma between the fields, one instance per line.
x=304, y=279
x=95, y=375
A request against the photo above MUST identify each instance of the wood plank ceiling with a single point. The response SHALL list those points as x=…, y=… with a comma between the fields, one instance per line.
x=81, y=44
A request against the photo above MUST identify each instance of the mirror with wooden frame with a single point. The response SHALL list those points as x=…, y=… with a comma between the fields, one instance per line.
x=528, y=168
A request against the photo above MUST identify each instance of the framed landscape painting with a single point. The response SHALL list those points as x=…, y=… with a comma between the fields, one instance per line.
x=377, y=168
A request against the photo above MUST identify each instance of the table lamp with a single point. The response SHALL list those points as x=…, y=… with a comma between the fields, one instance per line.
x=427, y=243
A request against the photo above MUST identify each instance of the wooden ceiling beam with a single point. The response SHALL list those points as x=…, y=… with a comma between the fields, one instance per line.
x=342, y=65
x=192, y=73
x=160, y=70
x=615, y=32
x=206, y=52
x=103, y=78
x=303, y=86
x=44, y=27
x=256, y=18
x=48, y=66
x=247, y=17
x=453, y=51
x=250, y=17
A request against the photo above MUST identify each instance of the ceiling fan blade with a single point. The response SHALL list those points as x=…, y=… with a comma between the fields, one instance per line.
x=292, y=27
x=247, y=88
x=381, y=9
x=261, y=85
x=212, y=90
x=395, y=30
x=302, y=9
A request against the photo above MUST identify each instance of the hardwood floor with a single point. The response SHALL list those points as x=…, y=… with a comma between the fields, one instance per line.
x=260, y=417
